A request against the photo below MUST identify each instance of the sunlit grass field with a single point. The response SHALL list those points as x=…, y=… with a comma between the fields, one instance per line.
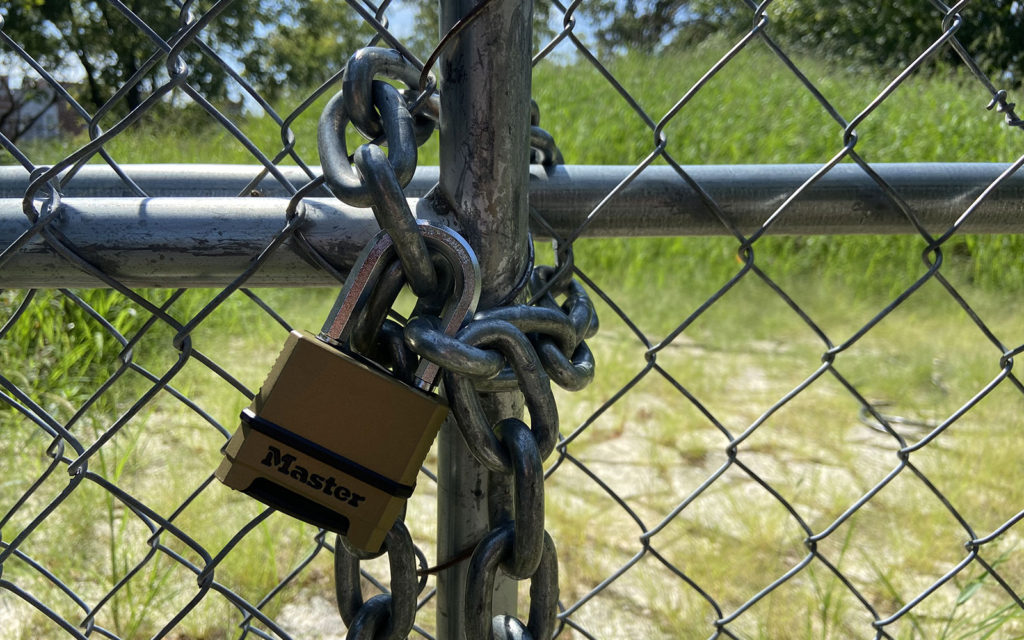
x=656, y=424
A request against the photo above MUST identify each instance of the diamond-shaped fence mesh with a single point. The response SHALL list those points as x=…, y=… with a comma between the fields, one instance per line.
x=793, y=432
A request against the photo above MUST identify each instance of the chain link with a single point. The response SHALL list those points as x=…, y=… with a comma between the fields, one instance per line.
x=382, y=617
x=358, y=87
x=484, y=566
x=527, y=517
x=509, y=347
x=559, y=331
x=531, y=379
x=543, y=149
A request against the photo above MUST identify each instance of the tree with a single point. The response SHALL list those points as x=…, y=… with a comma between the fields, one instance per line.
x=310, y=43
x=97, y=48
x=22, y=107
x=889, y=33
x=428, y=21
x=892, y=34
x=640, y=25
x=99, y=45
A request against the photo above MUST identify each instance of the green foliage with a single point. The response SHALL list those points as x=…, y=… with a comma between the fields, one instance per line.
x=639, y=25
x=312, y=41
x=121, y=64
x=877, y=33
x=756, y=111
x=428, y=25
x=96, y=39
x=893, y=34
x=66, y=358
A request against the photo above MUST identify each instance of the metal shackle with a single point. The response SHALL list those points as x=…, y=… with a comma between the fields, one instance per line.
x=373, y=261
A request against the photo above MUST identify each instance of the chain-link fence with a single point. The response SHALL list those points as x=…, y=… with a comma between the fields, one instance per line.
x=790, y=433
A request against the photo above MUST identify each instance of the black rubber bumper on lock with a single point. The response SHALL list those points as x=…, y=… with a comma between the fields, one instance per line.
x=335, y=461
x=297, y=506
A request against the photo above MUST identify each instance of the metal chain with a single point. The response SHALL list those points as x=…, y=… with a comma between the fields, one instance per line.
x=525, y=347
x=508, y=347
x=377, y=179
x=543, y=149
x=521, y=346
x=383, y=617
x=380, y=113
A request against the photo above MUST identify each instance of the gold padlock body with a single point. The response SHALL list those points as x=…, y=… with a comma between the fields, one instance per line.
x=332, y=441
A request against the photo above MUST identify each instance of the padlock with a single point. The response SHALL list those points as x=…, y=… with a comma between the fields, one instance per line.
x=333, y=438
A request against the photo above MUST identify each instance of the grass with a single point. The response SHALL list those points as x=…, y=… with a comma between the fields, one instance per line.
x=658, y=437
x=654, y=448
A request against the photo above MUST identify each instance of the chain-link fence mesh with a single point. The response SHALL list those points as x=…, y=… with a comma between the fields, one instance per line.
x=766, y=452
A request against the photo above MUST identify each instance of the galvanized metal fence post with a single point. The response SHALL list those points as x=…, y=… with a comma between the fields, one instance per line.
x=484, y=173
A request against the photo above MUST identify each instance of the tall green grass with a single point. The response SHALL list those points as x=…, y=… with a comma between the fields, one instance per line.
x=738, y=357
x=756, y=111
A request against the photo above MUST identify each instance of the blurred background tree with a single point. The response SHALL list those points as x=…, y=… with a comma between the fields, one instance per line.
x=427, y=32
x=101, y=53
x=308, y=41
x=97, y=47
x=883, y=33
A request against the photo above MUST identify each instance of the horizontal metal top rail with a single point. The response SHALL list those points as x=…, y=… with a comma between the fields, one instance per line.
x=194, y=230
